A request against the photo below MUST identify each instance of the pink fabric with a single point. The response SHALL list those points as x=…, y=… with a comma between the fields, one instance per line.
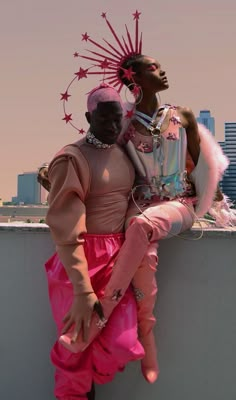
x=145, y=289
x=102, y=94
x=161, y=221
x=164, y=219
x=117, y=343
x=209, y=170
x=158, y=221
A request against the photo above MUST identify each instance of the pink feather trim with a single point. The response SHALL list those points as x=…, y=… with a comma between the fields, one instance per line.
x=209, y=170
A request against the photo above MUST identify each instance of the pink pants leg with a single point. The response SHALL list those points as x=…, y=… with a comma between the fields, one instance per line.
x=160, y=221
x=115, y=346
x=145, y=289
x=137, y=261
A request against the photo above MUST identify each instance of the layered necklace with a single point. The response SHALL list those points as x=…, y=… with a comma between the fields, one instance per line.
x=90, y=138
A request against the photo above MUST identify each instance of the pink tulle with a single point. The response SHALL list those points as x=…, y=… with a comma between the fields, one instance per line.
x=209, y=170
x=116, y=345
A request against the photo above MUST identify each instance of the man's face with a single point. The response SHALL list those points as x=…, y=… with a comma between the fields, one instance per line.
x=105, y=121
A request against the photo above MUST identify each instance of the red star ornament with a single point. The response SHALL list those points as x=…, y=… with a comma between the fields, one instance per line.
x=103, y=15
x=128, y=73
x=67, y=118
x=129, y=114
x=65, y=96
x=136, y=91
x=104, y=64
x=76, y=54
x=82, y=73
x=85, y=36
x=81, y=131
x=136, y=14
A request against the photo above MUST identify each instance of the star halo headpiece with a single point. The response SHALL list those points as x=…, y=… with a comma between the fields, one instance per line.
x=109, y=59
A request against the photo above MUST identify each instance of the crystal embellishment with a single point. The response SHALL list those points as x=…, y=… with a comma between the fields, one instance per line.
x=96, y=142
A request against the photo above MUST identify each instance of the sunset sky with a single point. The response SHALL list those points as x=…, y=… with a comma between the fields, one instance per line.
x=193, y=40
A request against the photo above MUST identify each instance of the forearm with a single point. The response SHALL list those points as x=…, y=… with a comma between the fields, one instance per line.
x=193, y=139
x=219, y=195
x=75, y=264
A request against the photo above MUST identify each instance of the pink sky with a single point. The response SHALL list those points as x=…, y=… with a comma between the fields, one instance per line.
x=193, y=40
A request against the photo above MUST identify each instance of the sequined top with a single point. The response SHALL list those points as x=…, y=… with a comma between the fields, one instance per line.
x=161, y=168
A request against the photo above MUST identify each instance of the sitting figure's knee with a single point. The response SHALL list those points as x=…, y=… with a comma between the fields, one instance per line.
x=140, y=225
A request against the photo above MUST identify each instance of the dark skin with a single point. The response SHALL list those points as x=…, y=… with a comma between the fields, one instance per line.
x=152, y=79
x=42, y=178
x=82, y=307
x=105, y=121
x=105, y=124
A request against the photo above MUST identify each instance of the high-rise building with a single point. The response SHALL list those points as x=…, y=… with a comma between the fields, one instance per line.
x=28, y=188
x=206, y=119
x=228, y=183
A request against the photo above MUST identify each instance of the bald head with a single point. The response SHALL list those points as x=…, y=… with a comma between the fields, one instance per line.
x=102, y=94
x=105, y=113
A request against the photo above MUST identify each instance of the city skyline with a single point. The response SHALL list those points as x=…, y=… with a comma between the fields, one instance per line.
x=207, y=119
x=38, y=42
x=29, y=190
x=228, y=146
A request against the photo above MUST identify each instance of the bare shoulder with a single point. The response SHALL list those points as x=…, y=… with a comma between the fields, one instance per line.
x=187, y=117
x=186, y=113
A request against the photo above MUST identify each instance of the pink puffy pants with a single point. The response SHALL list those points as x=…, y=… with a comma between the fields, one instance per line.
x=117, y=343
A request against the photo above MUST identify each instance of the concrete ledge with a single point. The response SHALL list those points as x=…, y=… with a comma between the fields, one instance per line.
x=194, y=232
x=196, y=319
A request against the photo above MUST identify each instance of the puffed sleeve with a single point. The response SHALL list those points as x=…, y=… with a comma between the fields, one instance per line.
x=66, y=217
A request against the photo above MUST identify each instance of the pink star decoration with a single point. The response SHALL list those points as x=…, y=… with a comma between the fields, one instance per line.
x=148, y=195
x=82, y=73
x=103, y=15
x=136, y=91
x=104, y=64
x=65, y=96
x=76, y=54
x=67, y=118
x=136, y=14
x=85, y=36
x=128, y=73
x=175, y=120
x=129, y=114
x=143, y=146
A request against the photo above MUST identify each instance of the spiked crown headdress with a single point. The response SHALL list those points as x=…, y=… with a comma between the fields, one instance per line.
x=109, y=58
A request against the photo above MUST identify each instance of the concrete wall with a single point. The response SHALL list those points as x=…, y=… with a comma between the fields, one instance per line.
x=196, y=315
x=36, y=211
